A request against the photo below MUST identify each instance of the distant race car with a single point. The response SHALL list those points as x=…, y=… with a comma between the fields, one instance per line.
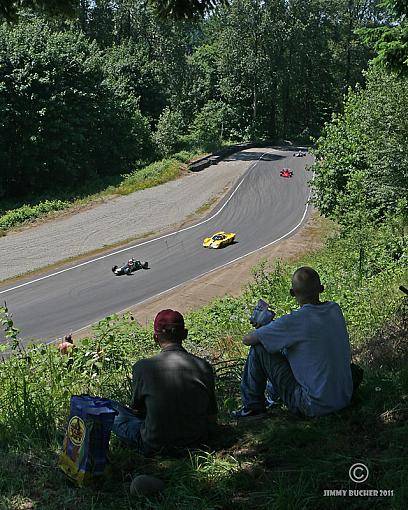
x=129, y=267
x=299, y=154
x=219, y=240
x=286, y=173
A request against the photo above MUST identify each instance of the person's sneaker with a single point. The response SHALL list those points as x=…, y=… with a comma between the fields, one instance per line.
x=244, y=413
x=269, y=403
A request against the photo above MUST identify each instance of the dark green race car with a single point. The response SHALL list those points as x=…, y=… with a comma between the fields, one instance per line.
x=129, y=267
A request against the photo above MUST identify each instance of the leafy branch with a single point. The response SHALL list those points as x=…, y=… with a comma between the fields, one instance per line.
x=11, y=332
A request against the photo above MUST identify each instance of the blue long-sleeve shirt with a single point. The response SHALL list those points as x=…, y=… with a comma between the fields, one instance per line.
x=315, y=341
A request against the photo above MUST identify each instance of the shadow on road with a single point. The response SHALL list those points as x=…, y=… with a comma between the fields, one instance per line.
x=254, y=156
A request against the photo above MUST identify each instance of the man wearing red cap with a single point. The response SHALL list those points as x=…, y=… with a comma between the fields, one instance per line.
x=173, y=394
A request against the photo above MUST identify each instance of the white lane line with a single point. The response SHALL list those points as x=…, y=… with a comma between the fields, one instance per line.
x=140, y=244
x=207, y=272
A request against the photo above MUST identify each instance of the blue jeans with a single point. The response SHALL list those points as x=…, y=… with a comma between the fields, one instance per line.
x=127, y=426
x=263, y=367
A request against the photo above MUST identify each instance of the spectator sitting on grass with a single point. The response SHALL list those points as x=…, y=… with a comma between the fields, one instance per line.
x=305, y=356
x=67, y=345
x=173, y=402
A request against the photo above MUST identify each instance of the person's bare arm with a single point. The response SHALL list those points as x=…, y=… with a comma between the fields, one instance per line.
x=250, y=339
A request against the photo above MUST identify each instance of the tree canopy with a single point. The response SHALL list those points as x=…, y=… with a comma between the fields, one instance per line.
x=9, y=8
x=117, y=84
x=64, y=117
x=361, y=168
x=366, y=143
x=177, y=9
x=391, y=41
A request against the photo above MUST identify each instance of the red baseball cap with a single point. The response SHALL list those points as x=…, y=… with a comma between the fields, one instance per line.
x=168, y=320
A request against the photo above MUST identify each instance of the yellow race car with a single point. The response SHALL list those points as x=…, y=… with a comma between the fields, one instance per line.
x=219, y=240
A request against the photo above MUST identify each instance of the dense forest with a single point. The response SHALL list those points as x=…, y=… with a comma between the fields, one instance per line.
x=116, y=85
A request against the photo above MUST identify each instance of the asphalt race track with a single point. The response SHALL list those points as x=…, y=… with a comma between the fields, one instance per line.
x=261, y=208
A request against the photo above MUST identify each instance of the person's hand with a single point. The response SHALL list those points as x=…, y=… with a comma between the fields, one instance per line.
x=250, y=339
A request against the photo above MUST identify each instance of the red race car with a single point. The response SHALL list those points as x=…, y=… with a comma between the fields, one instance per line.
x=286, y=173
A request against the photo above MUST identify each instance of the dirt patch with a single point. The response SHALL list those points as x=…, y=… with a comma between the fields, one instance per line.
x=230, y=279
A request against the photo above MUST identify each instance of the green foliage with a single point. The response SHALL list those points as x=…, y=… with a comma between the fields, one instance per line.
x=57, y=104
x=147, y=177
x=9, y=8
x=366, y=292
x=37, y=384
x=185, y=9
x=280, y=68
x=203, y=74
x=179, y=9
x=392, y=46
x=185, y=156
x=222, y=318
x=391, y=41
x=365, y=143
x=339, y=152
x=129, y=68
x=10, y=332
x=27, y=213
x=168, y=131
x=207, y=127
x=80, y=105
x=272, y=286
x=283, y=66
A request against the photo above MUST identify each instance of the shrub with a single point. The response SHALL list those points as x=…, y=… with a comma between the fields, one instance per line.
x=26, y=213
x=168, y=131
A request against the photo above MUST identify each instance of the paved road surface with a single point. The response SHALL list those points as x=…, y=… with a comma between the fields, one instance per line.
x=262, y=208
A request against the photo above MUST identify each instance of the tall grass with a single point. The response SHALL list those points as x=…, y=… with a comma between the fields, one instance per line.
x=148, y=177
x=26, y=213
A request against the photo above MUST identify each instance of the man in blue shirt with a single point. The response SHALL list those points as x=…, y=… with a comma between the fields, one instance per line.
x=305, y=355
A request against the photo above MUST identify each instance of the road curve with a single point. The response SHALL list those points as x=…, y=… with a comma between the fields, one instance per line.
x=261, y=208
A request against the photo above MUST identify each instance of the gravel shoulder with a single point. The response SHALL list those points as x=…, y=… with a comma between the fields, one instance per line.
x=119, y=219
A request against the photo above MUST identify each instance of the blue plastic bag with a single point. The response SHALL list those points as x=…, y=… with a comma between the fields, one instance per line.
x=86, y=442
